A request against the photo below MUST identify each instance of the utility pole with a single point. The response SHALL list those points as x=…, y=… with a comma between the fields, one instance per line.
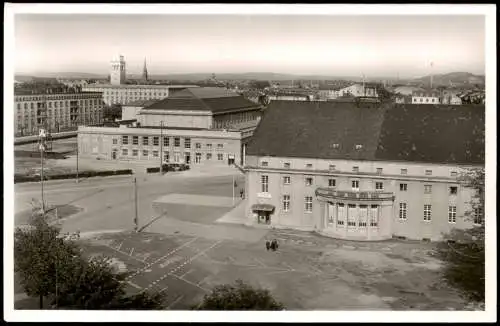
x=77, y=147
x=136, y=219
x=42, y=149
x=161, y=147
x=233, y=188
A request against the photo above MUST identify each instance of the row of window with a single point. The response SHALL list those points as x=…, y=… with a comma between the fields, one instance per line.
x=432, y=100
x=354, y=184
x=452, y=213
x=128, y=92
x=59, y=104
x=166, y=142
x=333, y=167
x=166, y=155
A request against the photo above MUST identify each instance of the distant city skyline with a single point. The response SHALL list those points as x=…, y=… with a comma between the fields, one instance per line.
x=304, y=45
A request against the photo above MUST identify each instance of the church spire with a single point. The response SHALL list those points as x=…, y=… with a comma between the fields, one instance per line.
x=145, y=71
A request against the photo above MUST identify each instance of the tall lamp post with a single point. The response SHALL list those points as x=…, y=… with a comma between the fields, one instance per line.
x=77, y=147
x=161, y=147
x=42, y=145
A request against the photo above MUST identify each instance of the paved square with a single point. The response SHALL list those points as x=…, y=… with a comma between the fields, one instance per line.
x=197, y=200
x=308, y=272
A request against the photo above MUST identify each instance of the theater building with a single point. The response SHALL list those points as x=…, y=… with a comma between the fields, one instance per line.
x=364, y=171
x=195, y=126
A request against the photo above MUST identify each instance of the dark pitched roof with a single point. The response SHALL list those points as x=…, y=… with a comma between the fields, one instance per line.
x=201, y=99
x=389, y=132
x=139, y=103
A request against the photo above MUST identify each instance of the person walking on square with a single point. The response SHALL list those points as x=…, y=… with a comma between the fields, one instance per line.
x=268, y=245
x=241, y=193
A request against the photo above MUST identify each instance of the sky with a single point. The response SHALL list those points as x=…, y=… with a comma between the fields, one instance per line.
x=388, y=46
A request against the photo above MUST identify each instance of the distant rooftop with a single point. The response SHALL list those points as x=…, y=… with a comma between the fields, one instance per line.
x=142, y=103
x=138, y=86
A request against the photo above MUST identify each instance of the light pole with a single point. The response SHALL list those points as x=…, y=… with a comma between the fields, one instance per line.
x=42, y=149
x=77, y=147
x=136, y=219
x=161, y=147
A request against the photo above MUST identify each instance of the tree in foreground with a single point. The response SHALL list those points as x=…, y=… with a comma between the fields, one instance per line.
x=52, y=267
x=463, y=251
x=239, y=296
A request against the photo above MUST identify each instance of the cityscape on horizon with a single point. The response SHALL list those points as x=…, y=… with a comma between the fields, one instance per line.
x=241, y=44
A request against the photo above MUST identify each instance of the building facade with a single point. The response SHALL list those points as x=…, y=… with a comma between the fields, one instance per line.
x=425, y=97
x=207, y=147
x=56, y=112
x=196, y=126
x=125, y=94
x=344, y=174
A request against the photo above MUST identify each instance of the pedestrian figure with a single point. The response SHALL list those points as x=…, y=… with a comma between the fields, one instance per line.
x=274, y=245
x=241, y=193
x=268, y=245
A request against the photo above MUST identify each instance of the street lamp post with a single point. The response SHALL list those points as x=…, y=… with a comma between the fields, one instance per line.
x=42, y=149
x=136, y=219
x=161, y=147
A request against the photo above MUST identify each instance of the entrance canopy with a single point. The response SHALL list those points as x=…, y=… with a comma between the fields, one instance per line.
x=263, y=207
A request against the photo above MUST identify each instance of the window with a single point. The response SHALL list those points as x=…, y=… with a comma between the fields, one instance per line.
x=427, y=212
x=286, y=203
x=115, y=141
x=187, y=143
x=124, y=152
x=220, y=146
x=209, y=156
x=427, y=189
x=264, y=181
x=332, y=182
x=351, y=215
x=332, y=167
x=379, y=170
x=198, y=145
x=363, y=215
x=403, y=187
x=124, y=140
x=452, y=214
x=309, y=165
x=264, y=163
x=428, y=172
x=308, y=204
x=355, y=185
x=478, y=216
x=355, y=169
x=309, y=181
x=156, y=141
x=135, y=140
x=145, y=152
x=177, y=142
x=166, y=141
x=220, y=157
x=135, y=152
x=166, y=157
x=340, y=214
x=145, y=140
x=286, y=165
x=454, y=174
x=402, y=211
x=155, y=154
x=358, y=147
x=335, y=145
x=453, y=190
x=374, y=215
x=209, y=146
x=286, y=180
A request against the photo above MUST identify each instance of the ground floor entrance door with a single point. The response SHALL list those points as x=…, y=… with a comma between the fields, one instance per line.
x=114, y=154
x=197, y=158
x=264, y=217
x=187, y=158
x=230, y=159
x=330, y=215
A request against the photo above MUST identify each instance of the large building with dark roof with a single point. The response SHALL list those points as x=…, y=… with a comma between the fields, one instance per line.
x=193, y=126
x=364, y=171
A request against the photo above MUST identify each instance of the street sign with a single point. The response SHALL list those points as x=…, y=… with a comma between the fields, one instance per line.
x=42, y=133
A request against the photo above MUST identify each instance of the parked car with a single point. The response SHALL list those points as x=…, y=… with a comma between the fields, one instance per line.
x=176, y=167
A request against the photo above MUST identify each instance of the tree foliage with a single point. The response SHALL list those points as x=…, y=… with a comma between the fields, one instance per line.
x=463, y=251
x=51, y=267
x=259, y=84
x=239, y=296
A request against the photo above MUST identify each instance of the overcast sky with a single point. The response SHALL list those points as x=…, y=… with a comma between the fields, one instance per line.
x=326, y=45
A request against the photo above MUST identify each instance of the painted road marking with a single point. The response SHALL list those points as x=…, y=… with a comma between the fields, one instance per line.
x=134, y=285
x=259, y=262
x=131, y=251
x=189, y=260
x=175, y=301
x=161, y=258
x=162, y=290
x=124, y=253
x=190, y=271
x=119, y=247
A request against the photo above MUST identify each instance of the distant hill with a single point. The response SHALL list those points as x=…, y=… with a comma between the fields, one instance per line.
x=248, y=76
x=64, y=75
x=453, y=78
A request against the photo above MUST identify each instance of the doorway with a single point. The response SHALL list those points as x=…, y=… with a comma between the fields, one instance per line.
x=264, y=217
x=187, y=158
x=114, y=154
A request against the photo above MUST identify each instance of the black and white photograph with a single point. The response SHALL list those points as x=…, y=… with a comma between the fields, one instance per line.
x=247, y=162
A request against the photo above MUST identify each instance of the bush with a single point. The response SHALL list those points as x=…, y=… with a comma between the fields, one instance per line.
x=239, y=296
x=19, y=178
